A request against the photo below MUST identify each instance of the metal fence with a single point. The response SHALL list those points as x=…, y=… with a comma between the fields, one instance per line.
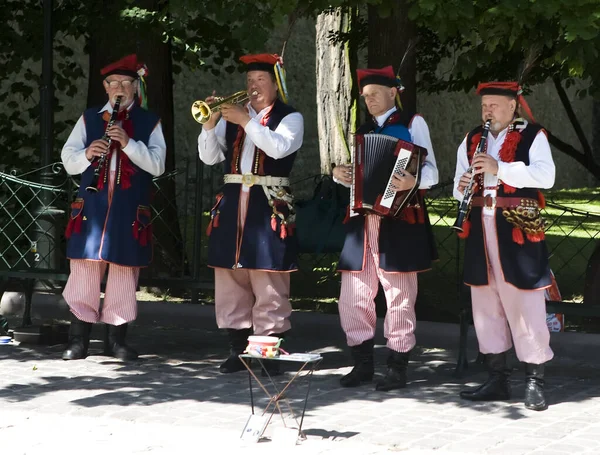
x=34, y=216
x=34, y=210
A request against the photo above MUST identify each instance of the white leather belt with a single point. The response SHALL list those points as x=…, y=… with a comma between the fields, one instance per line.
x=250, y=179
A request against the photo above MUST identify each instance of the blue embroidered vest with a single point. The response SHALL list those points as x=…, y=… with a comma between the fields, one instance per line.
x=406, y=243
x=119, y=232
x=259, y=245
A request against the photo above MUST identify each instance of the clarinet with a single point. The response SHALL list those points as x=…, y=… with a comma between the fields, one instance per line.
x=93, y=187
x=465, y=205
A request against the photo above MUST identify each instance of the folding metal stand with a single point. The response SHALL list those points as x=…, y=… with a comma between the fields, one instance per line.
x=307, y=365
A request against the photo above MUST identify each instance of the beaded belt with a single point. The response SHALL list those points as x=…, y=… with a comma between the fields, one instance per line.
x=250, y=179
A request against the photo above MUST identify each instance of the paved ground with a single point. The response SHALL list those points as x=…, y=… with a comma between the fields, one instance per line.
x=173, y=400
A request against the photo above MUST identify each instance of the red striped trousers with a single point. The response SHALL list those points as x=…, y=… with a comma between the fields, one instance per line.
x=357, y=298
x=82, y=291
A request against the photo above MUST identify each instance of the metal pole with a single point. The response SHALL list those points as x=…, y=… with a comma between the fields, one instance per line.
x=197, y=255
x=47, y=89
x=45, y=237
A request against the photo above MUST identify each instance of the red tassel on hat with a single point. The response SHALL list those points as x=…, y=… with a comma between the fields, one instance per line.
x=517, y=235
x=541, y=200
x=466, y=230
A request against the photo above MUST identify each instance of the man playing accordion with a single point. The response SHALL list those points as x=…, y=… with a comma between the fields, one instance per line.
x=386, y=250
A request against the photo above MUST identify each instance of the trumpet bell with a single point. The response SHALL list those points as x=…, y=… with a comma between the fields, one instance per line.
x=201, y=111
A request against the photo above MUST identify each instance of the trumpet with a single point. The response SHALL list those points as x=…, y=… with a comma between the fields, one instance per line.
x=202, y=111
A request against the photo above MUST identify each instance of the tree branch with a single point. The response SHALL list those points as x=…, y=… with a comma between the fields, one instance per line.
x=587, y=150
x=585, y=160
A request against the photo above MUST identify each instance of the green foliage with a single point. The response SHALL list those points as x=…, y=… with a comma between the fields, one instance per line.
x=203, y=34
x=490, y=39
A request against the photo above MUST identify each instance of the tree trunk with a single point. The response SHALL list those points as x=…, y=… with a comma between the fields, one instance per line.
x=146, y=42
x=389, y=38
x=337, y=91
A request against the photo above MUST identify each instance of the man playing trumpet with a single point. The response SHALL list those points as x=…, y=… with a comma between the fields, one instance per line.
x=251, y=243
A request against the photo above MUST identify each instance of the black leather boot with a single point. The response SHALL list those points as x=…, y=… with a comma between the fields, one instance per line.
x=363, y=365
x=497, y=386
x=79, y=340
x=238, y=340
x=534, y=387
x=395, y=378
x=272, y=367
x=114, y=343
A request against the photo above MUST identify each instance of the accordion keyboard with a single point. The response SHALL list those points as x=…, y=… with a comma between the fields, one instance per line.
x=401, y=163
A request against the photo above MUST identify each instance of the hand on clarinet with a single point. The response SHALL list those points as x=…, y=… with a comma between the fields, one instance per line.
x=343, y=174
x=96, y=149
x=485, y=163
x=214, y=118
x=463, y=183
x=402, y=181
x=116, y=133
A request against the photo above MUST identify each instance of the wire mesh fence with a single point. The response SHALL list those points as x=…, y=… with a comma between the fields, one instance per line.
x=34, y=211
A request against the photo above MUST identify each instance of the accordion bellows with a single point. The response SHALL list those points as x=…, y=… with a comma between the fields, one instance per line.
x=376, y=158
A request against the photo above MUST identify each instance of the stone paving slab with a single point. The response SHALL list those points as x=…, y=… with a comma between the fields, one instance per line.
x=173, y=400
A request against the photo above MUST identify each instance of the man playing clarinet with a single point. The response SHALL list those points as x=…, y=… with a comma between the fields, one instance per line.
x=506, y=260
x=110, y=223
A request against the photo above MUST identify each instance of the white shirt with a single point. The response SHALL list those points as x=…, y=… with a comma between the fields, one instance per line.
x=419, y=133
x=150, y=158
x=277, y=144
x=539, y=174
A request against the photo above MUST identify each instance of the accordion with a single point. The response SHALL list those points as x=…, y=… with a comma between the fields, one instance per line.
x=376, y=158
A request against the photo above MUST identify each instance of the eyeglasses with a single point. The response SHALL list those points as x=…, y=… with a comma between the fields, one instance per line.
x=116, y=84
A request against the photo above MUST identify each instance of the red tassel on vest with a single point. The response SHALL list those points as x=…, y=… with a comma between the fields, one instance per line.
x=541, y=200
x=466, y=230
x=517, y=235
x=537, y=237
